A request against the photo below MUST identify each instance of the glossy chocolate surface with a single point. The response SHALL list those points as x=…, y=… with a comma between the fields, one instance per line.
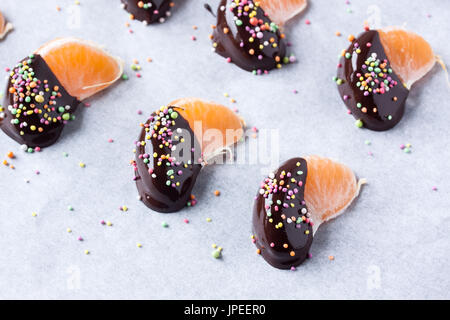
x=252, y=43
x=36, y=106
x=167, y=161
x=377, y=101
x=282, y=228
x=151, y=12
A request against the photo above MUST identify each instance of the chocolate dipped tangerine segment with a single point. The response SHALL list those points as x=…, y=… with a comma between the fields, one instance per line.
x=148, y=11
x=245, y=35
x=173, y=146
x=38, y=106
x=44, y=89
x=294, y=201
x=376, y=72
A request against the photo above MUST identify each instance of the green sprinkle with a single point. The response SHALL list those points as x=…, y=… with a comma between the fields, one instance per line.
x=339, y=81
x=348, y=55
x=174, y=115
x=299, y=173
x=216, y=254
x=66, y=116
x=239, y=23
x=359, y=123
x=125, y=77
x=164, y=224
x=170, y=172
x=70, y=208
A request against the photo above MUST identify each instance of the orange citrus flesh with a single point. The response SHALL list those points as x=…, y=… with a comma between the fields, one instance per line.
x=215, y=126
x=4, y=26
x=2, y=23
x=330, y=188
x=82, y=67
x=411, y=57
x=280, y=11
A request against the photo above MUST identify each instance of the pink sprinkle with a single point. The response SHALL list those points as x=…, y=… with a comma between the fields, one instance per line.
x=139, y=112
x=37, y=172
x=272, y=244
x=370, y=153
x=186, y=221
x=402, y=146
x=368, y=44
x=309, y=255
x=80, y=239
x=295, y=91
x=103, y=222
x=138, y=75
x=37, y=149
x=110, y=140
x=228, y=59
x=293, y=268
x=7, y=69
x=87, y=104
x=255, y=129
x=130, y=31
x=434, y=188
x=307, y=21
x=193, y=38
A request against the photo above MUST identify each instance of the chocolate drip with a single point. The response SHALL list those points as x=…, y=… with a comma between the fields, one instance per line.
x=281, y=224
x=240, y=39
x=36, y=106
x=152, y=11
x=377, y=111
x=165, y=182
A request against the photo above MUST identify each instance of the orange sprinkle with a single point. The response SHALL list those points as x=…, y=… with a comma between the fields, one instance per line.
x=331, y=258
x=338, y=34
x=258, y=251
x=351, y=38
x=217, y=193
x=10, y=154
x=292, y=253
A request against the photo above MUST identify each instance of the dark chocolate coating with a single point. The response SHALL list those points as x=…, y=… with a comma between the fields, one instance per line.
x=159, y=10
x=390, y=105
x=236, y=45
x=38, y=112
x=291, y=236
x=154, y=191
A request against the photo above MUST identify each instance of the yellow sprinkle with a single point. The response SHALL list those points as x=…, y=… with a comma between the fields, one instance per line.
x=108, y=223
x=139, y=245
x=82, y=165
x=34, y=214
x=86, y=252
x=69, y=230
x=214, y=245
x=208, y=219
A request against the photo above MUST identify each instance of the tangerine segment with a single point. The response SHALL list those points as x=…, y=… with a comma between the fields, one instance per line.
x=215, y=126
x=330, y=188
x=409, y=54
x=82, y=67
x=280, y=11
x=5, y=27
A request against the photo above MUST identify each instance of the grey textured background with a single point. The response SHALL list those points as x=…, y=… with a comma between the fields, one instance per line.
x=396, y=232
